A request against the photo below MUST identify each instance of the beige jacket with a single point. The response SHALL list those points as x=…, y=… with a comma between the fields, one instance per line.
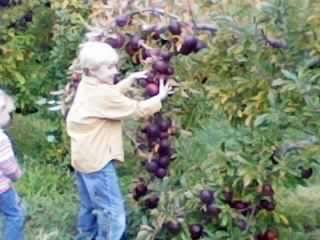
x=94, y=122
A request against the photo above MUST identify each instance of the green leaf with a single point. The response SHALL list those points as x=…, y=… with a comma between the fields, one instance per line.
x=284, y=219
x=279, y=82
x=19, y=78
x=289, y=75
x=247, y=180
x=261, y=120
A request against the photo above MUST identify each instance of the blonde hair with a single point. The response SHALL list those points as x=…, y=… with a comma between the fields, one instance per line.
x=6, y=107
x=6, y=102
x=94, y=54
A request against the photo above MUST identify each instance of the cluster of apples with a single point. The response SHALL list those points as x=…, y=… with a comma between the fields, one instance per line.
x=159, y=58
x=211, y=210
x=157, y=134
x=157, y=140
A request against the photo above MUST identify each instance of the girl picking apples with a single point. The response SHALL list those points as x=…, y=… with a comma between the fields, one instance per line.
x=94, y=124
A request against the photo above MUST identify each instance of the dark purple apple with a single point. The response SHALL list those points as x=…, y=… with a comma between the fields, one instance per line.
x=206, y=196
x=188, y=45
x=130, y=50
x=196, y=231
x=135, y=42
x=175, y=27
x=153, y=131
x=164, y=124
x=306, y=173
x=164, y=161
x=28, y=17
x=122, y=21
x=174, y=227
x=161, y=172
x=141, y=189
x=160, y=67
x=267, y=205
x=152, y=166
x=213, y=211
x=117, y=41
x=164, y=149
x=152, y=202
x=152, y=89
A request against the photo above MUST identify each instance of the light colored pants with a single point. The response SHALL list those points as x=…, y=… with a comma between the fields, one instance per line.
x=14, y=215
x=102, y=213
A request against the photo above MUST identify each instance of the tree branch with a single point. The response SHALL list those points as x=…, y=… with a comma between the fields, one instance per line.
x=201, y=27
x=272, y=42
x=299, y=145
x=154, y=11
x=206, y=27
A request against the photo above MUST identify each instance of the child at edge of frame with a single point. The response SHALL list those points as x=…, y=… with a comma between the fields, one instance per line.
x=10, y=203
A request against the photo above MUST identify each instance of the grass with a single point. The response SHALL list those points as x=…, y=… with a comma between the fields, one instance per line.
x=301, y=207
x=51, y=201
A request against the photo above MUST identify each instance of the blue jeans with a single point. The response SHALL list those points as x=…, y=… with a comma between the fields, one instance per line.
x=102, y=213
x=14, y=215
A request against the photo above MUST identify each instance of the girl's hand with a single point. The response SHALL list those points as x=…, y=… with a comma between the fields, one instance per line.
x=164, y=89
x=137, y=75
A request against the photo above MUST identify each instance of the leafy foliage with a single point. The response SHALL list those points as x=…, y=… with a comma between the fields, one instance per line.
x=245, y=68
x=38, y=43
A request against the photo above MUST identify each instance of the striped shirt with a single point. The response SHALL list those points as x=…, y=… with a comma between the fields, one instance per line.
x=9, y=168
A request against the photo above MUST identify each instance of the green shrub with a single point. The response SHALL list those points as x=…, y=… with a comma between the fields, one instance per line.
x=35, y=54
